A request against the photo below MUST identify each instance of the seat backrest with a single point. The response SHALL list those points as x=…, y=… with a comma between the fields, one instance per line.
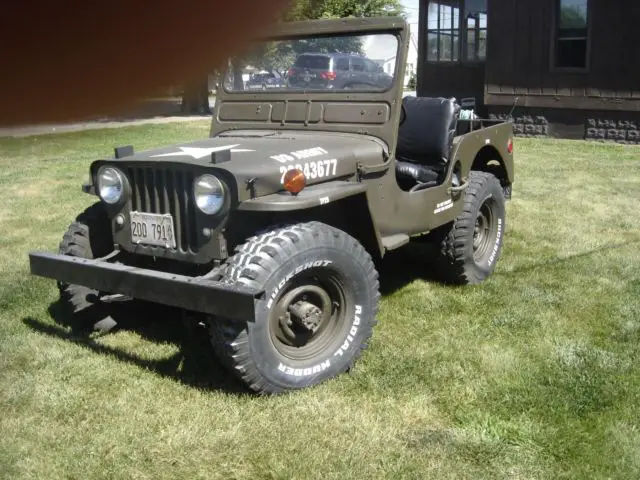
x=427, y=128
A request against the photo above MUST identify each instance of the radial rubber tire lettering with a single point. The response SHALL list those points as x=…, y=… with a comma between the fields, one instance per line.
x=470, y=249
x=88, y=237
x=321, y=300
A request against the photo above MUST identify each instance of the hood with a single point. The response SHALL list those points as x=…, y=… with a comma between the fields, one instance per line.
x=267, y=155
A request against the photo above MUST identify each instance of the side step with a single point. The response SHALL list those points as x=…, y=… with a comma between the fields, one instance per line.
x=395, y=241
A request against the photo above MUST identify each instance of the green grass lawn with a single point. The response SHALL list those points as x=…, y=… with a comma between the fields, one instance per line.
x=534, y=374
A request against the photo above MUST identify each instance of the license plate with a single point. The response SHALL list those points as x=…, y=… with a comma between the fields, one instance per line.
x=153, y=229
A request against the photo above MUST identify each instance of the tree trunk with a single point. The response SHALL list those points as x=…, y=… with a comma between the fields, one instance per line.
x=238, y=83
x=195, y=98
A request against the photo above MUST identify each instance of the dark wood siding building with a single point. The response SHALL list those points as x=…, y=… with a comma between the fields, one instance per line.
x=572, y=65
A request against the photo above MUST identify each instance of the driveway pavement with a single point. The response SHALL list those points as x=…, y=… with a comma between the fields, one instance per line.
x=75, y=127
x=163, y=110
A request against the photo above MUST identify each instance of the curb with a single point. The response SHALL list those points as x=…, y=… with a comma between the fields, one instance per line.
x=28, y=131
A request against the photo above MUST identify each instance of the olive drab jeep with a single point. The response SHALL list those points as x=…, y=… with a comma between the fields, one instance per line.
x=268, y=230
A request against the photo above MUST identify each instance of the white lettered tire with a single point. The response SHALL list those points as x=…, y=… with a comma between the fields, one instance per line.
x=321, y=300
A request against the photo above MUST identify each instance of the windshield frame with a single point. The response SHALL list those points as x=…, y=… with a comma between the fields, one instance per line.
x=296, y=111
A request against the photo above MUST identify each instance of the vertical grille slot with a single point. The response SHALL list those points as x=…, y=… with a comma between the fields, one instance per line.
x=171, y=205
x=190, y=219
x=161, y=192
x=135, y=188
x=142, y=190
x=182, y=205
x=151, y=191
x=156, y=190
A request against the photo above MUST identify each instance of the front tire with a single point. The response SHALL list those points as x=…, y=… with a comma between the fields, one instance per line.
x=88, y=237
x=321, y=300
x=471, y=247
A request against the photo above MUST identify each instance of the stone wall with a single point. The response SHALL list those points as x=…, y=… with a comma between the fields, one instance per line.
x=526, y=125
x=619, y=127
x=620, y=131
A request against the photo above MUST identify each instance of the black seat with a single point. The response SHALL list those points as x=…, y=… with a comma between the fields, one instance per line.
x=427, y=129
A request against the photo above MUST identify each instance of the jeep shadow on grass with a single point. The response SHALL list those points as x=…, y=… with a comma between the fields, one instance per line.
x=193, y=363
x=269, y=231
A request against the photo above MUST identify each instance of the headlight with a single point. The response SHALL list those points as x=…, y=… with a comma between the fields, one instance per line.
x=209, y=194
x=110, y=184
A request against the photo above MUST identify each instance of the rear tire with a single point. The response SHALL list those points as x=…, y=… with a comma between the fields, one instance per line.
x=88, y=237
x=321, y=300
x=471, y=247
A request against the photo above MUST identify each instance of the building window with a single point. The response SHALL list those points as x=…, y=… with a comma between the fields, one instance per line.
x=443, y=31
x=571, y=34
x=452, y=36
x=475, y=14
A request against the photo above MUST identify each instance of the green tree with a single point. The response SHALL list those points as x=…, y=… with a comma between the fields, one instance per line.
x=413, y=81
x=312, y=9
x=304, y=10
x=360, y=8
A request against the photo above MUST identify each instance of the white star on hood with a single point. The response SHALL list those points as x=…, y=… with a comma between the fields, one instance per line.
x=198, y=152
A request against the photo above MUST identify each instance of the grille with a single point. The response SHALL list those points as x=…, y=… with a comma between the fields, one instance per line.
x=157, y=190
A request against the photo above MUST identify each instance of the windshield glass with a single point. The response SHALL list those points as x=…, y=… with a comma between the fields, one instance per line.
x=345, y=62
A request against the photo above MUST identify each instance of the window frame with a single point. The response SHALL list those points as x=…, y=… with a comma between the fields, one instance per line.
x=443, y=32
x=555, y=30
x=462, y=30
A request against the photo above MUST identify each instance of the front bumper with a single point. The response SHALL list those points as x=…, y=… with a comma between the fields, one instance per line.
x=235, y=302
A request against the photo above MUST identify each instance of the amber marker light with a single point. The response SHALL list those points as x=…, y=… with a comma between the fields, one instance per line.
x=294, y=181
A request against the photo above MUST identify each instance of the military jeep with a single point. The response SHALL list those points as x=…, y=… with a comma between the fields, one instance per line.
x=269, y=232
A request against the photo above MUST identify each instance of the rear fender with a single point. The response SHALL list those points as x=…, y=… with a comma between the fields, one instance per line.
x=483, y=145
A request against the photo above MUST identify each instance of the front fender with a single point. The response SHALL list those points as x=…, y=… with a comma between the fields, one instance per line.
x=309, y=197
x=328, y=202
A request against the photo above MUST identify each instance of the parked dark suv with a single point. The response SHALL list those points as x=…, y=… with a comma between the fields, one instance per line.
x=337, y=71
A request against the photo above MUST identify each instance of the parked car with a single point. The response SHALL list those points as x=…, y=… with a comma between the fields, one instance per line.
x=339, y=71
x=264, y=79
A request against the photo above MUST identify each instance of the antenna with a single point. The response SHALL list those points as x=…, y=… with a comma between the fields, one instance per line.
x=515, y=102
